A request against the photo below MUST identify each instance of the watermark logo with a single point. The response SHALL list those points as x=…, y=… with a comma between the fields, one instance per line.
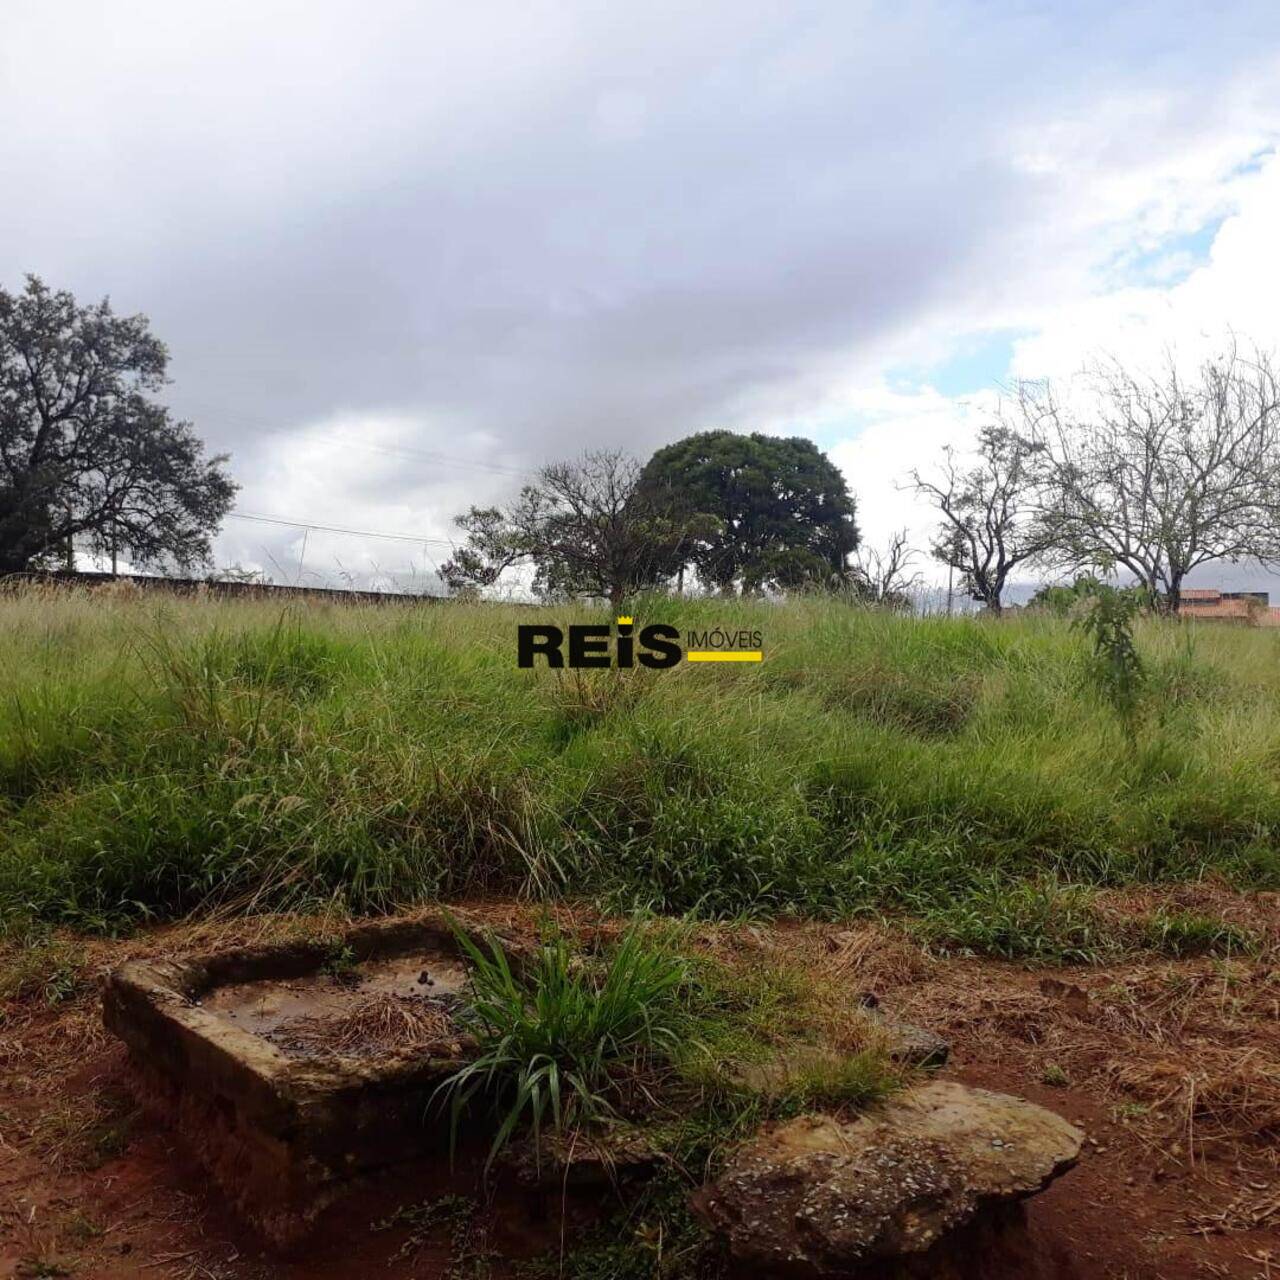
x=718, y=645
x=657, y=645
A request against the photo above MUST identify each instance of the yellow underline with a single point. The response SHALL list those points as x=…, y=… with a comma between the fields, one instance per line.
x=727, y=655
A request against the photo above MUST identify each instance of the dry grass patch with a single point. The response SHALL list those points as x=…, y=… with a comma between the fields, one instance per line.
x=1188, y=1050
x=381, y=1024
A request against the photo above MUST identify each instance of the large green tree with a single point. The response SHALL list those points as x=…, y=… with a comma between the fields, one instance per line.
x=775, y=512
x=86, y=453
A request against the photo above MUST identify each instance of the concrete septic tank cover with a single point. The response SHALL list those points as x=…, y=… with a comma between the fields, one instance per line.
x=291, y=1068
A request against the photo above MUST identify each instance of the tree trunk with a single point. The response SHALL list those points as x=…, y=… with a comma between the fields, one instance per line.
x=991, y=588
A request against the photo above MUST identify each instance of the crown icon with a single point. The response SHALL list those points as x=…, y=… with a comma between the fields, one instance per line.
x=624, y=622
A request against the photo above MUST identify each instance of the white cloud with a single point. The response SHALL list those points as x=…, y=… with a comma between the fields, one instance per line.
x=1234, y=291
x=511, y=231
x=356, y=465
x=882, y=431
x=904, y=432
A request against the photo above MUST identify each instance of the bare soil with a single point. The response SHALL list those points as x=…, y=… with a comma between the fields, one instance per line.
x=1172, y=1067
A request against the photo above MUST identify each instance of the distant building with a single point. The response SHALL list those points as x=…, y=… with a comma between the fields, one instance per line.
x=1252, y=608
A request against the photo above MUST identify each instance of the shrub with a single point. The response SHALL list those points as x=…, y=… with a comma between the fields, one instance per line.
x=1118, y=670
x=552, y=1040
x=1041, y=922
x=1188, y=933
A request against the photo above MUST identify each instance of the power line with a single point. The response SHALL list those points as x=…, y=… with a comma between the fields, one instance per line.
x=400, y=451
x=333, y=528
x=404, y=451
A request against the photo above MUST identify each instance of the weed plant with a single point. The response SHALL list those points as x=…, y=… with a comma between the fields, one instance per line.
x=162, y=756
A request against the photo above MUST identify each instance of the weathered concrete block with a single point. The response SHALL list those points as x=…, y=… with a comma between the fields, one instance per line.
x=280, y=1129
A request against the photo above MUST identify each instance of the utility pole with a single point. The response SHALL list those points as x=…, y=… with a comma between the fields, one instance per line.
x=302, y=558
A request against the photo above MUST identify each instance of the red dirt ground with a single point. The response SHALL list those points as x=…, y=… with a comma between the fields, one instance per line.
x=1172, y=1067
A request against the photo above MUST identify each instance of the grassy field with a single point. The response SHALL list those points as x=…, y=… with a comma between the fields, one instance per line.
x=194, y=774
x=164, y=756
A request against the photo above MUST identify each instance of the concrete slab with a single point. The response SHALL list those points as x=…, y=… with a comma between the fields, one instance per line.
x=283, y=1121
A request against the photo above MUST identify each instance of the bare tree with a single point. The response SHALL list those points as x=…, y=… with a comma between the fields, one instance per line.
x=583, y=526
x=988, y=510
x=882, y=577
x=1157, y=474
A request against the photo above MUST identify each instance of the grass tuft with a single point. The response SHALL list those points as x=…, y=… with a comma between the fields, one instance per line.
x=554, y=1040
x=36, y=966
x=1189, y=933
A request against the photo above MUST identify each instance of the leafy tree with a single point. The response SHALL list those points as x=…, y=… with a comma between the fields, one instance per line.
x=1060, y=599
x=584, y=527
x=988, y=509
x=85, y=454
x=1160, y=473
x=761, y=511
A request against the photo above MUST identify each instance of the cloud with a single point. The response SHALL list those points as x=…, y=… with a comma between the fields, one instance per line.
x=903, y=432
x=507, y=232
x=1232, y=291
x=1226, y=297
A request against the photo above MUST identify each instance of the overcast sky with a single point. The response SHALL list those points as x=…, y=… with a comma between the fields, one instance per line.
x=402, y=252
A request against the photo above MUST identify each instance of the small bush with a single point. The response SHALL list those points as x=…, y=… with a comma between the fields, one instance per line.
x=552, y=1040
x=1119, y=672
x=1188, y=933
x=1043, y=923
x=40, y=967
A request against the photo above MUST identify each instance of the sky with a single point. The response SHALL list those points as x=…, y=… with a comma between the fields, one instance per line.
x=403, y=253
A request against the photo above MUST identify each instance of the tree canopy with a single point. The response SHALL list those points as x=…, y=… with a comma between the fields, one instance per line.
x=762, y=511
x=989, y=524
x=581, y=524
x=85, y=453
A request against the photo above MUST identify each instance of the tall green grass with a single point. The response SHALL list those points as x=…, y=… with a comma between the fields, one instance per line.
x=553, y=1042
x=163, y=756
